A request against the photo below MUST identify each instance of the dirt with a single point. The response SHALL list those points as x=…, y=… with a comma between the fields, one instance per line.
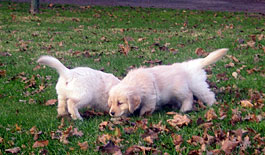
x=256, y=6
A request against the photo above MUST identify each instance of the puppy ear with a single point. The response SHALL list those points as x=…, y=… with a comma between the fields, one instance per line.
x=109, y=102
x=134, y=103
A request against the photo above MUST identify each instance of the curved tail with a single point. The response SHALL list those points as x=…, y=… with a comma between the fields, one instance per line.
x=213, y=57
x=54, y=63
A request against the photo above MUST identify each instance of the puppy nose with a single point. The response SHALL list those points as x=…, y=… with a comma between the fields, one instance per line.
x=112, y=113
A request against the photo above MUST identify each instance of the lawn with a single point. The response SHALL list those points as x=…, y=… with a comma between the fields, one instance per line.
x=117, y=39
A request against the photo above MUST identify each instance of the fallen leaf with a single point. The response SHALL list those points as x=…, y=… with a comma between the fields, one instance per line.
x=179, y=120
x=251, y=43
x=1, y=140
x=177, y=139
x=83, y=146
x=77, y=133
x=18, y=128
x=234, y=74
x=110, y=147
x=117, y=132
x=246, y=104
x=2, y=73
x=43, y=152
x=228, y=146
x=135, y=149
x=103, y=125
x=40, y=143
x=51, y=102
x=200, y=52
x=14, y=150
x=104, y=138
x=210, y=115
x=129, y=130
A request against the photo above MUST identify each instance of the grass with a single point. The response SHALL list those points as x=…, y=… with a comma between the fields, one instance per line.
x=70, y=33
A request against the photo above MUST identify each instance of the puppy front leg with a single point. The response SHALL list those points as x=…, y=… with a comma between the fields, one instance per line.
x=148, y=107
x=61, y=106
x=187, y=103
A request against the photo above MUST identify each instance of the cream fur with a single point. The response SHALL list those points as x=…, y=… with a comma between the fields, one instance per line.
x=150, y=88
x=80, y=87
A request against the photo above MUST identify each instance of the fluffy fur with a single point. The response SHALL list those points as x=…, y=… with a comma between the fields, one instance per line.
x=80, y=87
x=148, y=89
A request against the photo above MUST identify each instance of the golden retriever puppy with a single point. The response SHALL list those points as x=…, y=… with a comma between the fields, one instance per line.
x=80, y=87
x=148, y=89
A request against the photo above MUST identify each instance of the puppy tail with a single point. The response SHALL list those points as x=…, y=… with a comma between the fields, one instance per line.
x=54, y=63
x=213, y=57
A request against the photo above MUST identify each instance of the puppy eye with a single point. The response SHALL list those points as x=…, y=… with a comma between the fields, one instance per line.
x=119, y=103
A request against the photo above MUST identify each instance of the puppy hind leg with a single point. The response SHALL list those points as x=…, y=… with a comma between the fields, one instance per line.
x=203, y=93
x=73, y=110
x=61, y=109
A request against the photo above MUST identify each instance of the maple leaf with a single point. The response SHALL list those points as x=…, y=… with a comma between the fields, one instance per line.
x=51, y=102
x=210, y=115
x=179, y=120
x=42, y=143
x=14, y=150
x=83, y=145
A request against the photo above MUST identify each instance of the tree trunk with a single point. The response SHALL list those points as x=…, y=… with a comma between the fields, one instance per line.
x=35, y=6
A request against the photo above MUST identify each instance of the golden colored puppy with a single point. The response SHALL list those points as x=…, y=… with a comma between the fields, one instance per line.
x=80, y=87
x=148, y=89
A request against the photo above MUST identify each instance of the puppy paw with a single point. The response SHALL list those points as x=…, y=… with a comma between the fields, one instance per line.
x=74, y=117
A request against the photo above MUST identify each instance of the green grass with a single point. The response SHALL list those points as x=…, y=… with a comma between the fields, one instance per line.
x=99, y=31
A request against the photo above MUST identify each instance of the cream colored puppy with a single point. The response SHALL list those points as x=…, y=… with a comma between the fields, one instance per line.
x=80, y=87
x=148, y=89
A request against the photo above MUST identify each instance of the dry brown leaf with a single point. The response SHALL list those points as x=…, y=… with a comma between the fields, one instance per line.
x=83, y=146
x=179, y=120
x=228, y=146
x=210, y=115
x=200, y=52
x=135, y=149
x=14, y=150
x=172, y=113
x=246, y=104
x=235, y=75
x=42, y=143
x=103, y=125
x=18, y=128
x=104, y=138
x=110, y=148
x=251, y=43
x=77, y=133
x=51, y=102
x=177, y=139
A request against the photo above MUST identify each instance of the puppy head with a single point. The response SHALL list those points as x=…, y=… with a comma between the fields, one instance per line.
x=122, y=103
